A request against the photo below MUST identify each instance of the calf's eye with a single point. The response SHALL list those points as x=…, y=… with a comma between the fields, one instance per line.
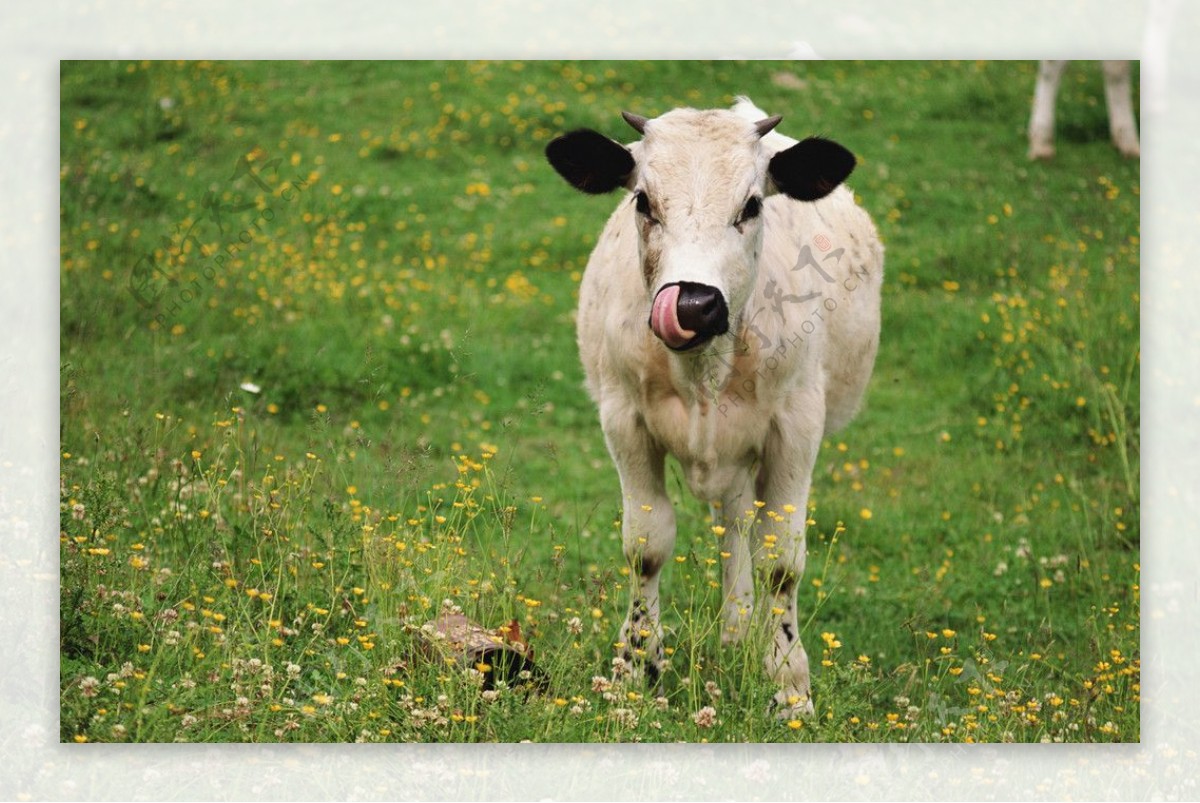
x=642, y=203
x=751, y=210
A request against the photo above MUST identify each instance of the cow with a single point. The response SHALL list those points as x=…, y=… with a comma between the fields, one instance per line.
x=1118, y=93
x=729, y=316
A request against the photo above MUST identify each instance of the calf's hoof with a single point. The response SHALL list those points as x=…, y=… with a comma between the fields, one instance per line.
x=791, y=704
x=643, y=672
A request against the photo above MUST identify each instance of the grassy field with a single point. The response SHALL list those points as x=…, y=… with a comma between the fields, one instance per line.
x=319, y=383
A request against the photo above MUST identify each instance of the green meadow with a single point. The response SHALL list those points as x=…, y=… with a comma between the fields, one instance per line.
x=319, y=384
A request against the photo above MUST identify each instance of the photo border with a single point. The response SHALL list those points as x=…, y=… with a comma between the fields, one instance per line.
x=38, y=767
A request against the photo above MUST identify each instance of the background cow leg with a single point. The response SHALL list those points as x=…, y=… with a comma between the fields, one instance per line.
x=785, y=480
x=1041, y=122
x=1118, y=93
x=736, y=514
x=648, y=539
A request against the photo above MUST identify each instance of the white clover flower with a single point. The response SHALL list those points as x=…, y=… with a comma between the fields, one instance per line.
x=625, y=716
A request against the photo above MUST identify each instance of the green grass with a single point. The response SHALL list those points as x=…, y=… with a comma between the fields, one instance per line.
x=381, y=250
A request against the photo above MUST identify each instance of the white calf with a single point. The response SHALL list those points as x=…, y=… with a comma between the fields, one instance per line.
x=1117, y=92
x=760, y=279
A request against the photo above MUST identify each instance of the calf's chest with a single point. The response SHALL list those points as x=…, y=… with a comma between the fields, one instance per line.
x=716, y=434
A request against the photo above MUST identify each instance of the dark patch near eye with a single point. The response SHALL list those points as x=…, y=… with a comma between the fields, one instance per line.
x=752, y=209
x=649, y=211
x=641, y=202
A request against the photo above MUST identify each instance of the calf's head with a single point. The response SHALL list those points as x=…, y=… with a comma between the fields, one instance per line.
x=697, y=181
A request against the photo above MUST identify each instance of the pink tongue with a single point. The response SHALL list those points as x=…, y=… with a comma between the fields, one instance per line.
x=664, y=318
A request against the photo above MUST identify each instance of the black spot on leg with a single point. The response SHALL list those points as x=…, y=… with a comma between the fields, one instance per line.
x=786, y=627
x=649, y=567
x=639, y=614
x=781, y=581
x=636, y=638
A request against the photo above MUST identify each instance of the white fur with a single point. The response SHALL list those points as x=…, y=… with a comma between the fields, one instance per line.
x=1117, y=93
x=745, y=414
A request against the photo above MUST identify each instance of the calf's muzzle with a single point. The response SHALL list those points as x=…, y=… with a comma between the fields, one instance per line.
x=686, y=314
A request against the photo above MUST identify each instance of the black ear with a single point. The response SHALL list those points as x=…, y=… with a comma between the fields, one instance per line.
x=810, y=170
x=590, y=161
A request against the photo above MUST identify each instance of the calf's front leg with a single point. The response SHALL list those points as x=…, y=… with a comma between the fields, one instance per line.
x=647, y=537
x=784, y=481
x=736, y=515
